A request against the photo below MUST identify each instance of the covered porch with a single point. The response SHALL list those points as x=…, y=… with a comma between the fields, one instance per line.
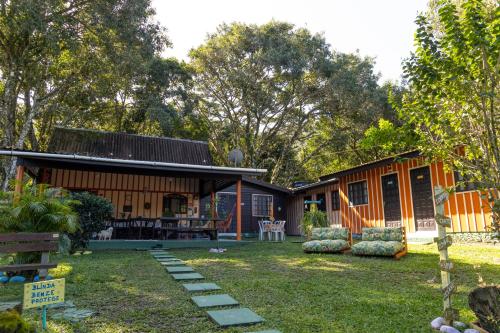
x=151, y=200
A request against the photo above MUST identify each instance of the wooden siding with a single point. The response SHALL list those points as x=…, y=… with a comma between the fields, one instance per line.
x=466, y=209
x=128, y=189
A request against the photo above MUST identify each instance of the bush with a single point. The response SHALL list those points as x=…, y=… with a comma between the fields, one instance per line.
x=11, y=322
x=93, y=211
x=485, y=302
x=313, y=219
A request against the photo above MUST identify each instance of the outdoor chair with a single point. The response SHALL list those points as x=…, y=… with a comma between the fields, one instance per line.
x=278, y=230
x=387, y=242
x=264, y=228
x=328, y=240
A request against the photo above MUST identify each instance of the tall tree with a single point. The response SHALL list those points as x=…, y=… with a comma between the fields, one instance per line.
x=70, y=61
x=282, y=96
x=453, y=91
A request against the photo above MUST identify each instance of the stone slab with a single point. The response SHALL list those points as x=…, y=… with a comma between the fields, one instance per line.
x=180, y=269
x=188, y=276
x=172, y=263
x=266, y=331
x=234, y=317
x=201, y=286
x=164, y=256
x=214, y=300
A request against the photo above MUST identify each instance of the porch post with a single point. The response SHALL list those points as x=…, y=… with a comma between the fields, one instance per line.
x=238, y=209
x=212, y=204
x=19, y=179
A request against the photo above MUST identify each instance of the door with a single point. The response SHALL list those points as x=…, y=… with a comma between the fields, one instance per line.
x=423, y=203
x=226, y=201
x=392, y=206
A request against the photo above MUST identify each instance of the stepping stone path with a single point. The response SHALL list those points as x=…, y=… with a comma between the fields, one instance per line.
x=188, y=276
x=232, y=317
x=172, y=263
x=201, y=286
x=180, y=269
x=223, y=318
x=214, y=300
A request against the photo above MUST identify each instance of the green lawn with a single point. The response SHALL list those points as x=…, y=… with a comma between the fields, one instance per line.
x=293, y=291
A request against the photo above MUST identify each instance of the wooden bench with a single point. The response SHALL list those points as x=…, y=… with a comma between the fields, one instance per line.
x=30, y=242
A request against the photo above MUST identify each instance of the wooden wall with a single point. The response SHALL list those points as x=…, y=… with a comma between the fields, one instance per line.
x=467, y=210
x=126, y=189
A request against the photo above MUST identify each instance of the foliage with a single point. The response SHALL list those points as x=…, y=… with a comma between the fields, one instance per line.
x=12, y=322
x=86, y=64
x=282, y=96
x=38, y=208
x=485, y=302
x=387, y=139
x=92, y=212
x=452, y=97
x=293, y=291
x=314, y=218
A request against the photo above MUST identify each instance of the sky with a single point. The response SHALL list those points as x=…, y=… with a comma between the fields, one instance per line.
x=382, y=29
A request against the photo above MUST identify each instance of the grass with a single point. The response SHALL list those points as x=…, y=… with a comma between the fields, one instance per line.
x=293, y=291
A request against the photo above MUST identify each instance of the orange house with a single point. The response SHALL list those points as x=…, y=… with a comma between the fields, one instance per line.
x=396, y=191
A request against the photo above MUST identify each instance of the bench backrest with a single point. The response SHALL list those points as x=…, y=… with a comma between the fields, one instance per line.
x=29, y=242
x=330, y=233
x=382, y=234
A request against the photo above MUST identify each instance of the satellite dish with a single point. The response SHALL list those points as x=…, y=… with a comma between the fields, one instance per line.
x=235, y=156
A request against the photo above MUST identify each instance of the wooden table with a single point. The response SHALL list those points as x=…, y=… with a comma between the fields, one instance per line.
x=195, y=225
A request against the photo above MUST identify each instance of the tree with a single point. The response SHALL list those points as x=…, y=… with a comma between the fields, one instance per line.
x=70, y=62
x=452, y=97
x=283, y=97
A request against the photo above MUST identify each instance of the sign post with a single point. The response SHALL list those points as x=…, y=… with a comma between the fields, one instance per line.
x=443, y=242
x=43, y=293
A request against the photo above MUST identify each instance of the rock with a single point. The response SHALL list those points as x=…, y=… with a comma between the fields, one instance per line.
x=459, y=325
x=17, y=279
x=448, y=329
x=437, y=323
x=471, y=330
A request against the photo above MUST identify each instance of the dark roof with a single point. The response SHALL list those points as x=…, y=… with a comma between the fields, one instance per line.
x=371, y=165
x=266, y=185
x=314, y=185
x=88, y=142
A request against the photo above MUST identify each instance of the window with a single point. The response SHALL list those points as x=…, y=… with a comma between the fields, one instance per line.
x=335, y=200
x=358, y=193
x=261, y=205
x=322, y=199
x=174, y=204
x=463, y=183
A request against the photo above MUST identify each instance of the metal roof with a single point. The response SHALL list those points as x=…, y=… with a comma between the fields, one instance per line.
x=111, y=145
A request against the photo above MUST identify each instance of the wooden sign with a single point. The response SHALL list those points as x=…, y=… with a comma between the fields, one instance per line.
x=440, y=197
x=444, y=242
x=446, y=266
x=448, y=290
x=39, y=294
x=442, y=220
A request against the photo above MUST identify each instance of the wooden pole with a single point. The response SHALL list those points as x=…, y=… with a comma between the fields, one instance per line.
x=212, y=204
x=443, y=241
x=238, y=209
x=18, y=189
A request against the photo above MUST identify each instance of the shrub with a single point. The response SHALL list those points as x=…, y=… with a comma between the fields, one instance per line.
x=12, y=322
x=485, y=302
x=38, y=208
x=313, y=219
x=93, y=211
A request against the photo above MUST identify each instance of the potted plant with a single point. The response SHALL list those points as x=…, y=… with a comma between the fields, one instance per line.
x=485, y=303
x=313, y=219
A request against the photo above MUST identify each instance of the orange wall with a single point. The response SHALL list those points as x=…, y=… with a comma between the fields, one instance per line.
x=467, y=210
x=139, y=189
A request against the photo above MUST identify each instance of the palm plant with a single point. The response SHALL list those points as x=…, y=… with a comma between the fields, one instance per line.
x=38, y=208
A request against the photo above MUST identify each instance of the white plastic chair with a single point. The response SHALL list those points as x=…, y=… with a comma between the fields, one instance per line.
x=264, y=229
x=278, y=230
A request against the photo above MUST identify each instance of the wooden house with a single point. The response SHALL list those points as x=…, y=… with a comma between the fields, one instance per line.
x=396, y=191
x=144, y=177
